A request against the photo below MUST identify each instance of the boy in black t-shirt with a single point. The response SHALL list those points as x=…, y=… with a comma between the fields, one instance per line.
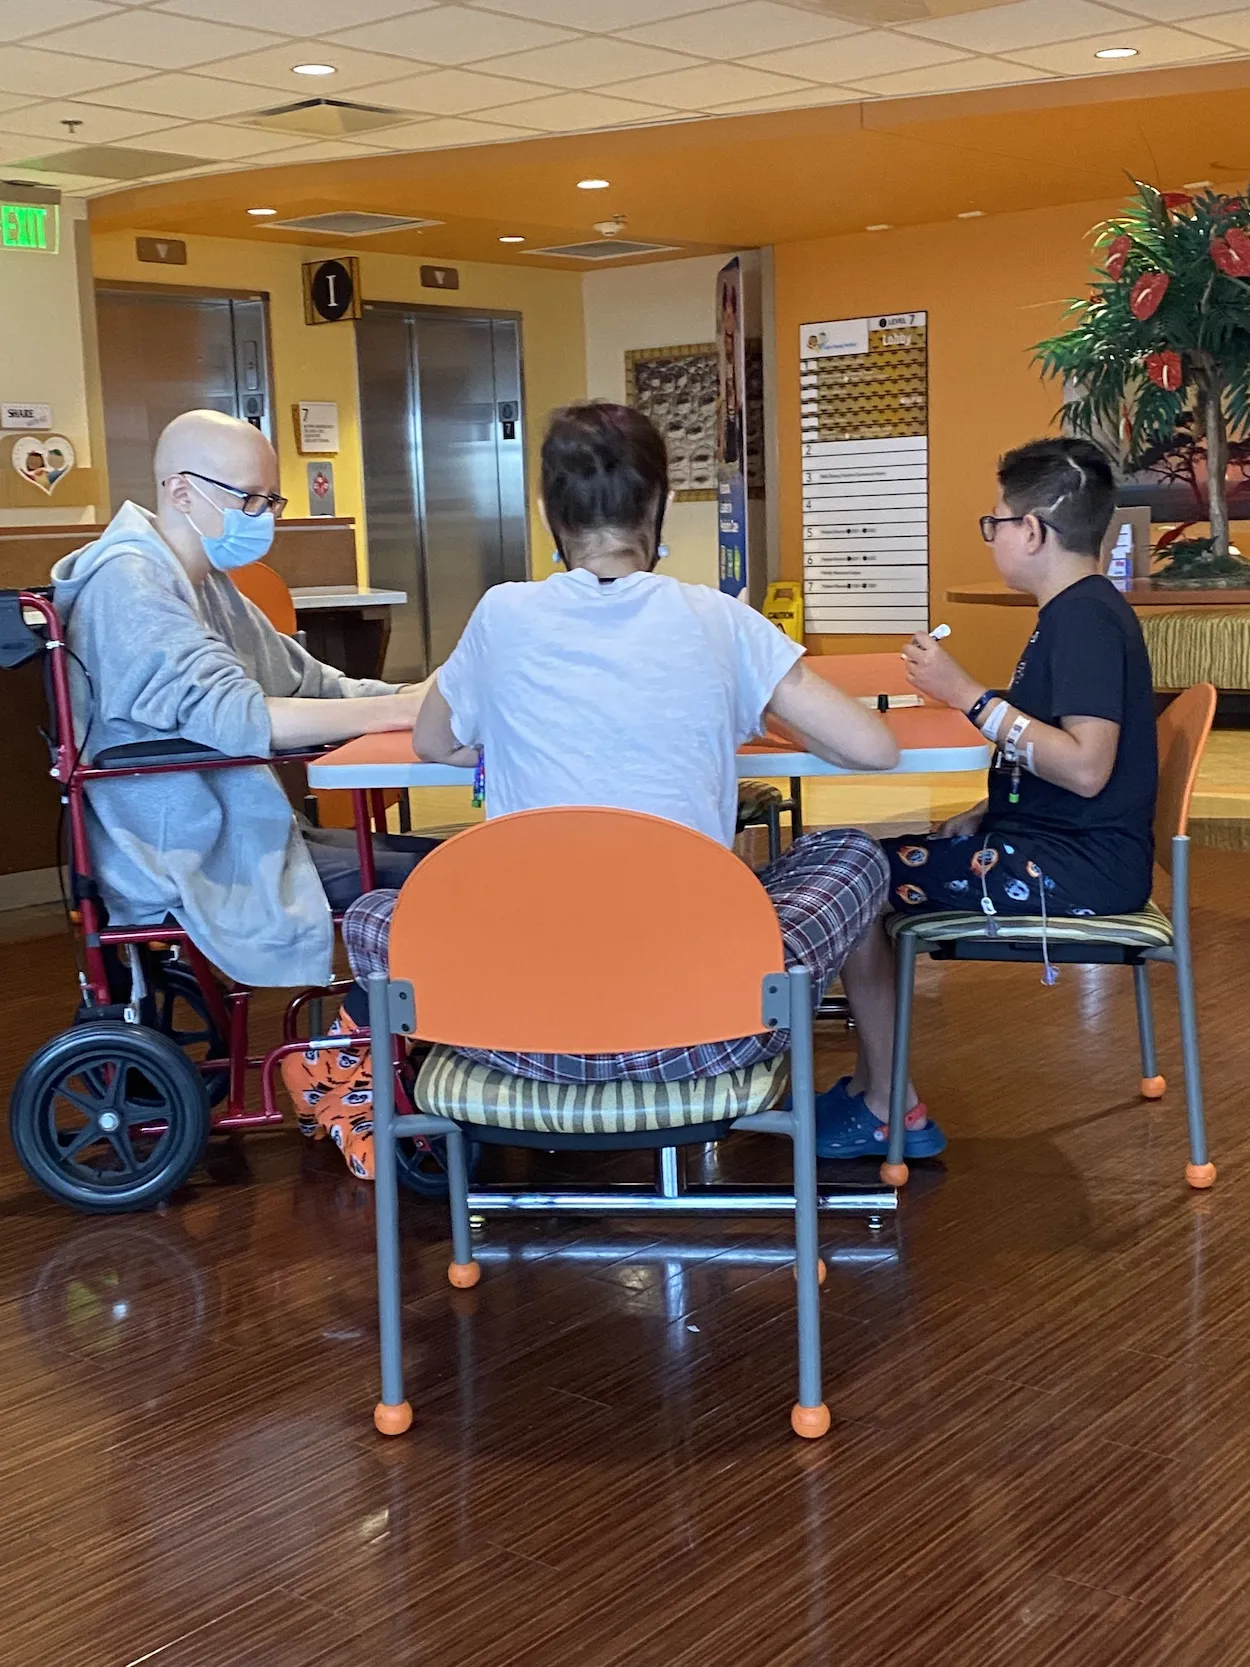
x=1067, y=826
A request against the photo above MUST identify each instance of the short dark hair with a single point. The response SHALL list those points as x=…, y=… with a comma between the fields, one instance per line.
x=1069, y=484
x=604, y=471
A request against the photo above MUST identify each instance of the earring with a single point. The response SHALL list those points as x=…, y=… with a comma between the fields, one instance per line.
x=661, y=552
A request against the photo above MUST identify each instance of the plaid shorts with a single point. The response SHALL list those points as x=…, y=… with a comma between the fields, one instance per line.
x=827, y=890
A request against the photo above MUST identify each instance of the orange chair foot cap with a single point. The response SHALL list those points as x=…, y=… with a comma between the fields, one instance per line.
x=392, y=1420
x=810, y=1422
x=822, y=1272
x=464, y=1275
x=1153, y=1088
x=1200, y=1175
x=895, y=1174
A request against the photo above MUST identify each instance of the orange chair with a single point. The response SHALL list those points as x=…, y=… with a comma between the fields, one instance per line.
x=587, y=931
x=271, y=594
x=1133, y=940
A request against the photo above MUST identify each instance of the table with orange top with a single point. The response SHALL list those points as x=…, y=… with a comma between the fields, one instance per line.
x=931, y=740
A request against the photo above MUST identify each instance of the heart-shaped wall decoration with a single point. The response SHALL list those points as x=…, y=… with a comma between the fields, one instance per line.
x=43, y=461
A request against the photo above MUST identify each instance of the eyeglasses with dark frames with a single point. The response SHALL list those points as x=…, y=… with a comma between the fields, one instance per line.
x=989, y=524
x=254, y=503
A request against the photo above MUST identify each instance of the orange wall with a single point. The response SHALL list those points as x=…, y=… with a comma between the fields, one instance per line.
x=991, y=289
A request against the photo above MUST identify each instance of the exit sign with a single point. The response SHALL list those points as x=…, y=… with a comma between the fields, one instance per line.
x=30, y=226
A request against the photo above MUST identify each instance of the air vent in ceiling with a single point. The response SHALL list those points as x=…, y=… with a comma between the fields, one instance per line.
x=352, y=223
x=113, y=162
x=326, y=118
x=606, y=248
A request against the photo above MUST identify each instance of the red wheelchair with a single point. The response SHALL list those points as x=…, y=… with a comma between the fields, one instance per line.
x=115, y=1112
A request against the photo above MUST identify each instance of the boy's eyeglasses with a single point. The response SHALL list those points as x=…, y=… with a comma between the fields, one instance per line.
x=990, y=524
x=254, y=503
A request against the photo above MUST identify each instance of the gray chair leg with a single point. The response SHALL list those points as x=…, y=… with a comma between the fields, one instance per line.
x=392, y=1415
x=1153, y=1085
x=1199, y=1171
x=894, y=1171
x=810, y=1415
x=463, y=1271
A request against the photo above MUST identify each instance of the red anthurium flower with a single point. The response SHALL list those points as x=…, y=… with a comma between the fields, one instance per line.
x=1232, y=257
x=1147, y=293
x=1175, y=200
x=1165, y=370
x=1117, y=253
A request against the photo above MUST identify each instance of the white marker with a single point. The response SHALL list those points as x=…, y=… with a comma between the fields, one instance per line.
x=940, y=631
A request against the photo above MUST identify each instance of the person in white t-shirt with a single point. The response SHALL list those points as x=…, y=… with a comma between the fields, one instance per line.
x=610, y=684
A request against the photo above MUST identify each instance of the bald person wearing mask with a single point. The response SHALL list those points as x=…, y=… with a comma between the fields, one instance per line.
x=166, y=649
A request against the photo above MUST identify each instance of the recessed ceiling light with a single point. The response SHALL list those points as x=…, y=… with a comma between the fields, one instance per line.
x=512, y=240
x=883, y=227
x=593, y=184
x=262, y=213
x=313, y=69
x=971, y=214
x=1116, y=52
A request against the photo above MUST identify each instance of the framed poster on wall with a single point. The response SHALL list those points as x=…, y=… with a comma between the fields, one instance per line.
x=676, y=388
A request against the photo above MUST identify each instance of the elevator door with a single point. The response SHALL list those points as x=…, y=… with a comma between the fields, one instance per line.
x=161, y=354
x=444, y=469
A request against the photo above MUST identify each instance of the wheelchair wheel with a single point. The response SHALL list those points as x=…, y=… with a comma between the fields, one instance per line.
x=183, y=1015
x=423, y=1165
x=109, y=1117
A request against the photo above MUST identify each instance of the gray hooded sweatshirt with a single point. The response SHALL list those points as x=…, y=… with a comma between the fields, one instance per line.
x=219, y=850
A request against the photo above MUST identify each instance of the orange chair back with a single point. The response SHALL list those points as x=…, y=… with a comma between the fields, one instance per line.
x=271, y=594
x=1183, y=730
x=584, y=931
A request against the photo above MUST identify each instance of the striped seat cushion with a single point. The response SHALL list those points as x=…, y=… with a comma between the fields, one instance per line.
x=449, y=1085
x=754, y=798
x=1149, y=928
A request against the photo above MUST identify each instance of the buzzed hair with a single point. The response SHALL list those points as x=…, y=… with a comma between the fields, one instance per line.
x=1068, y=484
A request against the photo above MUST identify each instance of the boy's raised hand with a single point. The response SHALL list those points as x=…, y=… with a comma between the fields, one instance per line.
x=933, y=671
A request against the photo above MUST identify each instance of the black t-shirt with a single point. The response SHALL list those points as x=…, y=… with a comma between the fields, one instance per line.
x=1087, y=659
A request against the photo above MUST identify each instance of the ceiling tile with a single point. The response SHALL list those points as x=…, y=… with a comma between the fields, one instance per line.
x=803, y=98
x=25, y=69
x=301, y=18
x=99, y=126
x=734, y=31
x=578, y=112
x=1155, y=45
x=449, y=132
x=872, y=52
x=161, y=42
x=1181, y=11
x=595, y=15
x=450, y=92
x=18, y=18
x=705, y=85
x=1233, y=27
x=274, y=68
x=451, y=35
x=588, y=63
x=215, y=142
x=965, y=74
x=16, y=101
x=1026, y=23
x=191, y=97
x=320, y=150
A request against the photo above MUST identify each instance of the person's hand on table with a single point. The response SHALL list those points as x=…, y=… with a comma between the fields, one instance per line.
x=934, y=672
x=967, y=822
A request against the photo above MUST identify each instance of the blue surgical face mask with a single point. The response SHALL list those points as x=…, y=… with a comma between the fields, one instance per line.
x=243, y=538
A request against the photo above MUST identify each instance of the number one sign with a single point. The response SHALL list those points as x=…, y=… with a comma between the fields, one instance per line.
x=331, y=290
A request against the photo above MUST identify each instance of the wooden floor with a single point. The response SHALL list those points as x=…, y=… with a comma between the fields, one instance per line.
x=1040, y=1377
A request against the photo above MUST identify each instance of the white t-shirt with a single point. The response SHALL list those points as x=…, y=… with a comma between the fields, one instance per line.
x=634, y=694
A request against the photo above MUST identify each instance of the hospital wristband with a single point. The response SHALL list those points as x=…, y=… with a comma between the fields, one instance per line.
x=993, y=722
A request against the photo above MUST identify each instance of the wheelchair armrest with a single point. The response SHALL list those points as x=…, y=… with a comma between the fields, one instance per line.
x=140, y=753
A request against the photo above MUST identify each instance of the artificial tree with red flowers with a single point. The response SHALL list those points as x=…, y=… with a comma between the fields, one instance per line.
x=1162, y=345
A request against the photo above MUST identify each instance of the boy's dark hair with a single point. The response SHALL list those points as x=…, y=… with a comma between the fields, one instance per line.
x=1069, y=484
x=605, y=480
